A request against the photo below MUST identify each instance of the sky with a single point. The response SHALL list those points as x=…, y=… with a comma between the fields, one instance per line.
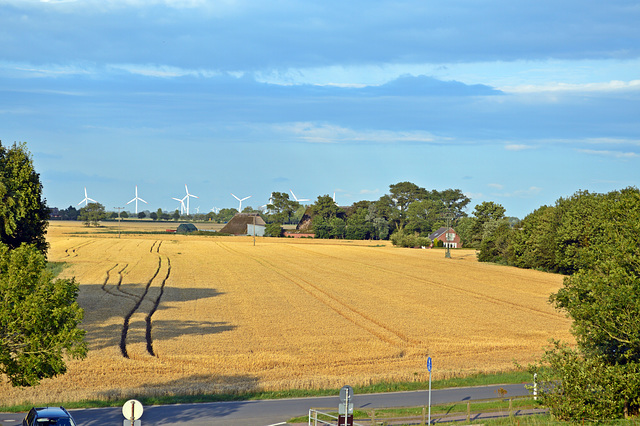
x=516, y=102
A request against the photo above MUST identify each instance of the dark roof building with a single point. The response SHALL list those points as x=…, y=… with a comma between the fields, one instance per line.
x=241, y=222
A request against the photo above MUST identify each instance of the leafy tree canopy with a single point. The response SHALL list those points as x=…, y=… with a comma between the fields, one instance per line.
x=23, y=211
x=281, y=208
x=601, y=378
x=39, y=317
x=93, y=213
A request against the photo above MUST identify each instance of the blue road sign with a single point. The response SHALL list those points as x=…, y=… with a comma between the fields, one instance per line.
x=429, y=364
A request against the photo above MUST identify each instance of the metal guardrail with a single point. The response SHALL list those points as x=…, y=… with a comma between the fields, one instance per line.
x=315, y=421
x=317, y=417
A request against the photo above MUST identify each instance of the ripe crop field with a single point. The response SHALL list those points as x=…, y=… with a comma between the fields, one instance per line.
x=175, y=314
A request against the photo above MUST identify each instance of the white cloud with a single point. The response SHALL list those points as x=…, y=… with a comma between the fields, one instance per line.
x=369, y=191
x=496, y=185
x=606, y=153
x=331, y=134
x=162, y=71
x=523, y=193
x=517, y=147
x=614, y=85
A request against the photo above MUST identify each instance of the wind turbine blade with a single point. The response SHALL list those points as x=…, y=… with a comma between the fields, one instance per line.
x=132, y=201
x=91, y=199
x=143, y=200
x=236, y=197
x=294, y=195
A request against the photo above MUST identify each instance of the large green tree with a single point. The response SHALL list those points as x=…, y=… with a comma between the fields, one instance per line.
x=424, y=216
x=599, y=379
x=93, y=213
x=281, y=208
x=23, y=210
x=484, y=212
x=39, y=318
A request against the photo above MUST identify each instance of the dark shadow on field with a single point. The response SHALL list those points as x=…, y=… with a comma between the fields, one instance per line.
x=183, y=413
x=111, y=307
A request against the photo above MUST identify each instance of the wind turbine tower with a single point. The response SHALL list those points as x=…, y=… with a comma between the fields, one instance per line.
x=136, y=199
x=296, y=198
x=86, y=198
x=187, y=197
x=181, y=201
x=241, y=200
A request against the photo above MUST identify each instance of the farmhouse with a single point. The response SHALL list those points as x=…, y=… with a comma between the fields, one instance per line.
x=448, y=236
x=245, y=224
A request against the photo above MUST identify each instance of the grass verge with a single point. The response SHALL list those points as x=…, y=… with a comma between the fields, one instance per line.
x=475, y=380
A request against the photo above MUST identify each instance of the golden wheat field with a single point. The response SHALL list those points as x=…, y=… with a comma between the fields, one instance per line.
x=169, y=314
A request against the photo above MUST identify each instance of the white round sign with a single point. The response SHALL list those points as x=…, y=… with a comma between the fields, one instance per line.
x=132, y=409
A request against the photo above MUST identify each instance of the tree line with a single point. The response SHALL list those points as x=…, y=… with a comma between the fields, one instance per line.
x=39, y=315
x=594, y=239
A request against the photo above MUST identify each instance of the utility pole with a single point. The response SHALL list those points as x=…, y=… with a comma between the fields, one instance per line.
x=448, y=216
x=119, y=208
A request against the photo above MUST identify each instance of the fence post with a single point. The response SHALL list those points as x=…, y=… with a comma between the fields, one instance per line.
x=424, y=414
x=469, y=411
x=373, y=417
x=510, y=408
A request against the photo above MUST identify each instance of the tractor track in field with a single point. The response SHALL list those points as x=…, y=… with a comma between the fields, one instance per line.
x=156, y=247
x=127, y=317
x=72, y=251
x=475, y=294
x=147, y=319
x=343, y=309
x=119, y=291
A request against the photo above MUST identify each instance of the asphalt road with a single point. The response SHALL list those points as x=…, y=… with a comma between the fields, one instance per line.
x=271, y=412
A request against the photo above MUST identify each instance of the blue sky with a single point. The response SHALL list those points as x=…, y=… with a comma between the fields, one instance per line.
x=519, y=103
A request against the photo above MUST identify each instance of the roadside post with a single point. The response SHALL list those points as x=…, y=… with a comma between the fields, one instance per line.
x=345, y=408
x=132, y=411
x=429, y=368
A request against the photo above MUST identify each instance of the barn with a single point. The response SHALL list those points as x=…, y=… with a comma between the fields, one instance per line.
x=245, y=224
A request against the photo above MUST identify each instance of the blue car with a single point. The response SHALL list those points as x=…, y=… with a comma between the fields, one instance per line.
x=43, y=416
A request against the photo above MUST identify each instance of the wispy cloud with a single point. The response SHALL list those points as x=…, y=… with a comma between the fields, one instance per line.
x=496, y=185
x=517, y=147
x=521, y=193
x=369, y=191
x=333, y=134
x=606, y=153
x=163, y=71
x=610, y=86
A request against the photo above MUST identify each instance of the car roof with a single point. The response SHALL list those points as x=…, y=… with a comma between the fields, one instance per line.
x=52, y=412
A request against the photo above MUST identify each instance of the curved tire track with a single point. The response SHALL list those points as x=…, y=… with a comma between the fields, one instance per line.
x=127, y=318
x=147, y=320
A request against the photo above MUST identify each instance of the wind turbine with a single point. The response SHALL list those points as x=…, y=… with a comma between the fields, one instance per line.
x=181, y=201
x=187, y=197
x=136, y=200
x=241, y=200
x=86, y=198
x=296, y=198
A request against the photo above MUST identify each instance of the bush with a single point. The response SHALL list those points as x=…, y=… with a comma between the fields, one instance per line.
x=401, y=239
x=273, y=230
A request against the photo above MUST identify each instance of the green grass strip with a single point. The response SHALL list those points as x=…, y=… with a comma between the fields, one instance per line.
x=475, y=380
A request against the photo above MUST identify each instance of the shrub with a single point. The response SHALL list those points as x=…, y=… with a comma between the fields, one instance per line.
x=401, y=239
x=273, y=230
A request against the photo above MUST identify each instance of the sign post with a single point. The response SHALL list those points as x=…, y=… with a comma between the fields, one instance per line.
x=132, y=411
x=345, y=408
x=429, y=368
